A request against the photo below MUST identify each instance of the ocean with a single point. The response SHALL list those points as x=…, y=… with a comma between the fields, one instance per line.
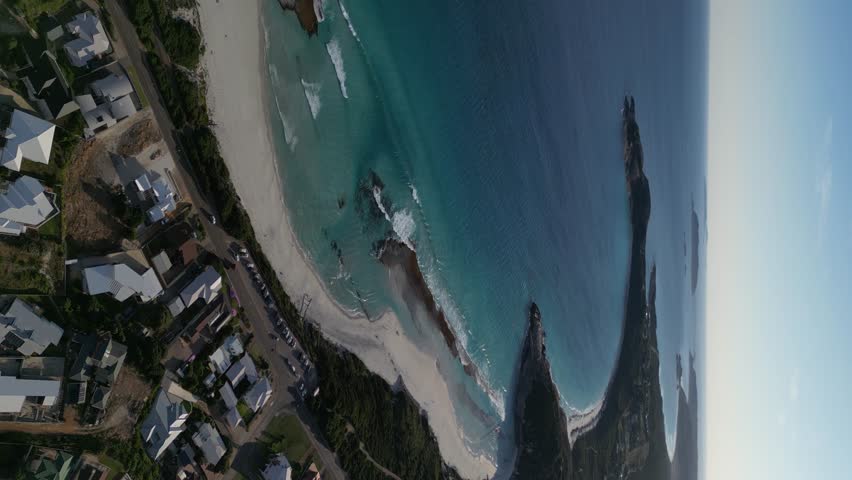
x=495, y=131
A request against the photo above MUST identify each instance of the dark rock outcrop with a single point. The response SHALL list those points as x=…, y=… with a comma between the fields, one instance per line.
x=544, y=450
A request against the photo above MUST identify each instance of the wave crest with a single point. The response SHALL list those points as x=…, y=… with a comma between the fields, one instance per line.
x=334, y=53
x=312, y=94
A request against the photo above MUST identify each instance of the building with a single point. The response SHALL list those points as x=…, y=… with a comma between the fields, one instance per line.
x=110, y=102
x=228, y=396
x=312, y=473
x=47, y=88
x=159, y=193
x=14, y=391
x=208, y=440
x=242, y=369
x=164, y=423
x=122, y=282
x=259, y=394
x=100, y=360
x=24, y=204
x=53, y=465
x=205, y=286
x=233, y=418
x=91, y=41
x=27, y=332
x=26, y=137
x=278, y=468
x=221, y=357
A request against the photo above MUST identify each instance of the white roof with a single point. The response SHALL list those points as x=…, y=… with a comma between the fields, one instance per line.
x=161, y=262
x=206, y=286
x=259, y=394
x=278, y=468
x=163, y=424
x=112, y=87
x=242, y=368
x=123, y=107
x=13, y=392
x=91, y=39
x=176, y=306
x=161, y=193
x=122, y=282
x=35, y=332
x=25, y=202
x=27, y=137
x=210, y=442
x=221, y=357
x=228, y=396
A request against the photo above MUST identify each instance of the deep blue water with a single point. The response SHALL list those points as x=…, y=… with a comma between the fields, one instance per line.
x=495, y=127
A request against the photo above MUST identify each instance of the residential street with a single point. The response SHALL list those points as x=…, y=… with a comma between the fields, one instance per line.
x=218, y=241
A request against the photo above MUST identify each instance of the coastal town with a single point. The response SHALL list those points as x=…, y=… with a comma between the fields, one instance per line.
x=138, y=339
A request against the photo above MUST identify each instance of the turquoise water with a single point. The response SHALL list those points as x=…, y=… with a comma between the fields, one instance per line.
x=495, y=131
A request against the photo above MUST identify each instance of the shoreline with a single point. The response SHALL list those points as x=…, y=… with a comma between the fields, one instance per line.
x=245, y=137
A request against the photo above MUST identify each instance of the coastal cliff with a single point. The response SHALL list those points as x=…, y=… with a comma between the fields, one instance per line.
x=544, y=450
x=627, y=439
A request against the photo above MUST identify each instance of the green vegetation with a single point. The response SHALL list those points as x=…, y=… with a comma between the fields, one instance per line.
x=115, y=467
x=31, y=9
x=180, y=39
x=31, y=264
x=137, y=85
x=124, y=321
x=286, y=435
x=245, y=412
x=10, y=460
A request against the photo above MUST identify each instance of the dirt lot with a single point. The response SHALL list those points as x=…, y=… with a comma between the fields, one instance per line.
x=92, y=194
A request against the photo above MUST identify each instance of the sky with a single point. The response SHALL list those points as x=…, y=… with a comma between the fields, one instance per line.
x=779, y=252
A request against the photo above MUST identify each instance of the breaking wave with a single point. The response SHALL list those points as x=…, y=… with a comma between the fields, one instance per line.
x=289, y=134
x=312, y=91
x=333, y=48
x=348, y=20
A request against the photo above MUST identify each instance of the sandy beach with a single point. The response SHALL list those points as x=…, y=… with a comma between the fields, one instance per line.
x=236, y=76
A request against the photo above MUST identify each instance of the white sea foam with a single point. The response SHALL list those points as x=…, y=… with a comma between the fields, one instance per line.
x=273, y=74
x=289, y=134
x=312, y=94
x=402, y=221
x=414, y=194
x=333, y=48
x=348, y=20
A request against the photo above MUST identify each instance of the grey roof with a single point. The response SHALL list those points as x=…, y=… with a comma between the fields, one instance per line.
x=13, y=392
x=122, y=282
x=32, y=333
x=83, y=367
x=123, y=107
x=27, y=137
x=278, y=468
x=101, y=396
x=259, y=394
x=76, y=393
x=161, y=262
x=112, y=87
x=233, y=417
x=221, y=357
x=207, y=438
x=205, y=286
x=176, y=306
x=243, y=368
x=164, y=423
x=25, y=203
x=91, y=41
x=109, y=357
x=228, y=396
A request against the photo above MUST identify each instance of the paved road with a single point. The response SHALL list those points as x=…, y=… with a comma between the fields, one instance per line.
x=218, y=241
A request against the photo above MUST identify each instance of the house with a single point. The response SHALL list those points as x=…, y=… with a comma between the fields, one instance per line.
x=26, y=137
x=205, y=286
x=241, y=369
x=24, y=204
x=159, y=193
x=312, y=473
x=278, y=468
x=99, y=360
x=221, y=357
x=14, y=391
x=162, y=262
x=208, y=440
x=76, y=393
x=259, y=394
x=164, y=423
x=228, y=396
x=233, y=418
x=53, y=465
x=27, y=332
x=47, y=88
x=91, y=41
x=122, y=282
x=109, y=103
